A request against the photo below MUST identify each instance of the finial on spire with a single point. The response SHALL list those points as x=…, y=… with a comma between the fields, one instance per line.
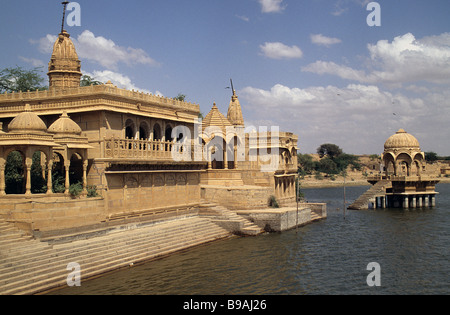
x=65, y=3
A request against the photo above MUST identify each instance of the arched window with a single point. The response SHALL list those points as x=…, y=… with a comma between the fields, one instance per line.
x=144, y=131
x=168, y=134
x=130, y=129
x=156, y=132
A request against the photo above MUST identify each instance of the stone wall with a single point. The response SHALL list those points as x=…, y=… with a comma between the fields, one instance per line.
x=237, y=198
x=137, y=192
x=47, y=213
x=278, y=220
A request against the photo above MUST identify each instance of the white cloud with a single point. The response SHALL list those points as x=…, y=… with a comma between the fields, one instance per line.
x=118, y=79
x=45, y=44
x=100, y=50
x=341, y=6
x=403, y=60
x=280, y=51
x=243, y=18
x=34, y=62
x=359, y=118
x=271, y=6
x=319, y=39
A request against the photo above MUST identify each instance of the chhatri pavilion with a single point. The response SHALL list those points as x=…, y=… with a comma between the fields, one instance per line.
x=405, y=181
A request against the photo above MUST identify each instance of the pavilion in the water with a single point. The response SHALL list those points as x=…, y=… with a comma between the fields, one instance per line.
x=404, y=181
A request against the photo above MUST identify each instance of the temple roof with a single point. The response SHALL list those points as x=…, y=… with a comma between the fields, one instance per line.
x=216, y=120
x=27, y=122
x=402, y=140
x=65, y=125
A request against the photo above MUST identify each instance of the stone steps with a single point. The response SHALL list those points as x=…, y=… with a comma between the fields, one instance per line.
x=363, y=201
x=32, y=271
x=221, y=213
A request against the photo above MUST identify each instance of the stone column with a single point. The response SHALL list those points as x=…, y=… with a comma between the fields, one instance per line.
x=433, y=200
x=225, y=157
x=67, y=182
x=85, y=166
x=49, y=178
x=419, y=201
x=405, y=202
x=413, y=201
x=2, y=179
x=28, y=163
x=426, y=200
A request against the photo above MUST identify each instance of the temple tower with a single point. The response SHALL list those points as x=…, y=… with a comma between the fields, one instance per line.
x=235, y=111
x=64, y=68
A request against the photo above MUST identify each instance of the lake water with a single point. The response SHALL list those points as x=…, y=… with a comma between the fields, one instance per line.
x=326, y=257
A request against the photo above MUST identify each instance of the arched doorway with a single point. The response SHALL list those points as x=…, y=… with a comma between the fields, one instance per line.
x=76, y=169
x=58, y=173
x=15, y=173
x=39, y=173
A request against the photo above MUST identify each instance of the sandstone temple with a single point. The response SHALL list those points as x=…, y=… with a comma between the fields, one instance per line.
x=81, y=165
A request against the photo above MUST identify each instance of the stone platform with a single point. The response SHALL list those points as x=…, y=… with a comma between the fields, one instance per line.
x=286, y=218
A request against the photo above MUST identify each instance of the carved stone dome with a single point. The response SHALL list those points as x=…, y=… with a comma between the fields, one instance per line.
x=27, y=122
x=66, y=126
x=402, y=140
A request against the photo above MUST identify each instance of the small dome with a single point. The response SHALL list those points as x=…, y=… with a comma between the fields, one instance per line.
x=65, y=125
x=27, y=122
x=402, y=140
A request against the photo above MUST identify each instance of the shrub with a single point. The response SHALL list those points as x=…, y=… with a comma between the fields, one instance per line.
x=273, y=202
x=75, y=189
x=92, y=191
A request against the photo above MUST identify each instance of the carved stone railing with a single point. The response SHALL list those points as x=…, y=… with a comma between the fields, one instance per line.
x=85, y=97
x=149, y=150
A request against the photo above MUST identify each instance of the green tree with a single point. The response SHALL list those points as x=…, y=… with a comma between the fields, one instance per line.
x=180, y=97
x=330, y=150
x=431, y=157
x=14, y=173
x=306, y=164
x=328, y=166
x=88, y=81
x=344, y=160
x=21, y=80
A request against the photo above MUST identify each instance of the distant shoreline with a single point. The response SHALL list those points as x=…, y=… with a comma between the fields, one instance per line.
x=327, y=183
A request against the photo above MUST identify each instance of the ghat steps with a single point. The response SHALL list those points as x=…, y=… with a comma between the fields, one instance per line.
x=379, y=189
x=28, y=266
x=216, y=212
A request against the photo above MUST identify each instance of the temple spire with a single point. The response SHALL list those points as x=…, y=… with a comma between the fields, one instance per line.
x=65, y=3
x=234, y=110
x=64, y=68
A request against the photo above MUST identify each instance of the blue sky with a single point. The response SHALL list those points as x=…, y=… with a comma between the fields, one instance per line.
x=313, y=67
